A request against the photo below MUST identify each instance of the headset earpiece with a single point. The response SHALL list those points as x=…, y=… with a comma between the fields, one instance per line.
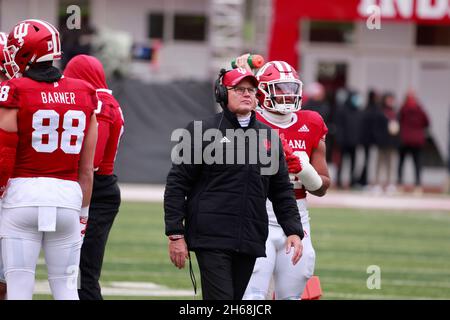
x=220, y=90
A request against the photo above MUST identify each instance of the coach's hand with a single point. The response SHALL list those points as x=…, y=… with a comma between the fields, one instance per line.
x=178, y=252
x=294, y=241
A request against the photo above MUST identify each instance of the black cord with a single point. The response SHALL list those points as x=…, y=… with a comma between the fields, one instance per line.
x=192, y=275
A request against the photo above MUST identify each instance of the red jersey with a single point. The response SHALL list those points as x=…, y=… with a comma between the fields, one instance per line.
x=110, y=130
x=109, y=114
x=304, y=133
x=52, y=119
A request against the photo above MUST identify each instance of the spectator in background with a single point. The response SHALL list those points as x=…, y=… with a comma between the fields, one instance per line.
x=316, y=100
x=337, y=102
x=75, y=42
x=368, y=131
x=413, y=124
x=387, y=132
x=348, y=131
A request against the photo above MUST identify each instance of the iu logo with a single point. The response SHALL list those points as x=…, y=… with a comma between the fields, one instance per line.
x=21, y=31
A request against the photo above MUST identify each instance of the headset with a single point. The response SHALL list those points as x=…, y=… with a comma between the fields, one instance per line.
x=221, y=91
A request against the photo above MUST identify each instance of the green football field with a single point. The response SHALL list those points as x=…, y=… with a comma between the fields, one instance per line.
x=411, y=251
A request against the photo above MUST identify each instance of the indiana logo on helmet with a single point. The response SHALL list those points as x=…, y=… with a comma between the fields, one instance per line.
x=31, y=41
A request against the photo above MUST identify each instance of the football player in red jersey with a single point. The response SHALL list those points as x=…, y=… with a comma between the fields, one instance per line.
x=303, y=136
x=3, y=40
x=53, y=120
x=106, y=193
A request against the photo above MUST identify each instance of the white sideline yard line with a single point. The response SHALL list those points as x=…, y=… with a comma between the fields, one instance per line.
x=333, y=199
x=389, y=282
x=142, y=192
x=132, y=289
x=359, y=296
x=147, y=289
x=360, y=200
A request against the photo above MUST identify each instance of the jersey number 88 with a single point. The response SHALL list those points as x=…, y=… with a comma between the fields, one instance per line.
x=45, y=136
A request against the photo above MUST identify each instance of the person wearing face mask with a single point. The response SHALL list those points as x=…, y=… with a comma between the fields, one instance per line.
x=348, y=134
x=413, y=125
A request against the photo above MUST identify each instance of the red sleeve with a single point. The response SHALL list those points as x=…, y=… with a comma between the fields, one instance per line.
x=91, y=99
x=95, y=101
x=321, y=132
x=102, y=140
x=9, y=95
x=8, y=145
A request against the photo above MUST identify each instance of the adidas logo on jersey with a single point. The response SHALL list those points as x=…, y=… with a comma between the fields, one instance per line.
x=225, y=140
x=304, y=128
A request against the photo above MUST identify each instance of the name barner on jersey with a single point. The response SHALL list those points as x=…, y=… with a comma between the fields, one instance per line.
x=58, y=97
x=237, y=146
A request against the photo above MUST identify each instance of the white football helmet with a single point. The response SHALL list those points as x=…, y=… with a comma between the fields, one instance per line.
x=280, y=89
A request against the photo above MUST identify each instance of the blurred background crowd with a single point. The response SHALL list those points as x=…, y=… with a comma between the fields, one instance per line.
x=379, y=78
x=383, y=129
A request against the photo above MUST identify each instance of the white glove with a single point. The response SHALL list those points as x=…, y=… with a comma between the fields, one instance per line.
x=309, y=176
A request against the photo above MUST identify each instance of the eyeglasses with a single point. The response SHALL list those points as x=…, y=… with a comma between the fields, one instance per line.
x=241, y=90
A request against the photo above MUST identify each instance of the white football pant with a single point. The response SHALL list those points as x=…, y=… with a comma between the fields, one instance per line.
x=22, y=243
x=289, y=280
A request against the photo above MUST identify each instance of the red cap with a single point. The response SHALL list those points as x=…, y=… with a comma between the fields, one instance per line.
x=234, y=76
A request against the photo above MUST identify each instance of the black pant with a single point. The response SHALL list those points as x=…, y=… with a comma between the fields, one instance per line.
x=350, y=152
x=102, y=211
x=416, y=154
x=363, y=178
x=224, y=274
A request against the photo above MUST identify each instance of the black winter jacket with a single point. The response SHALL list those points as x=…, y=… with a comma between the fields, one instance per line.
x=223, y=206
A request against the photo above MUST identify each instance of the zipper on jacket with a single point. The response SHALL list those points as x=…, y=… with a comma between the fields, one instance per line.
x=245, y=196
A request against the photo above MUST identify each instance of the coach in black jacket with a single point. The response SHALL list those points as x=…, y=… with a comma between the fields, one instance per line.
x=219, y=207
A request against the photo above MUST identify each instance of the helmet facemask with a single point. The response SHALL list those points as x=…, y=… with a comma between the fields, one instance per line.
x=282, y=96
x=10, y=66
